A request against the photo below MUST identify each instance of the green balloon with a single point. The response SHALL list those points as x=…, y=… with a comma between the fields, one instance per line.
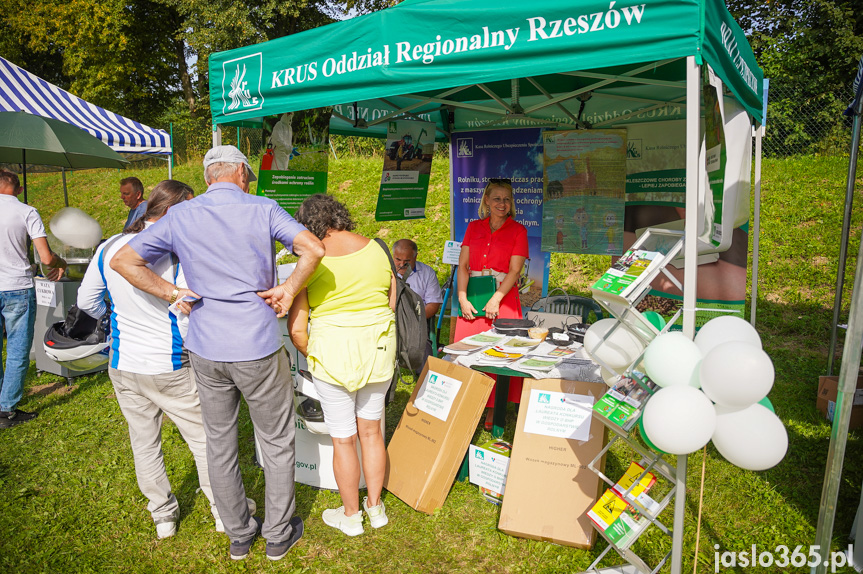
x=655, y=319
x=646, y=440
x=766, y=402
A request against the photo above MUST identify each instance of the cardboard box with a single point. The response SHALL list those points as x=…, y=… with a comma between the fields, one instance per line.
x=828, y=389
x=549, y=488
x=432, y=437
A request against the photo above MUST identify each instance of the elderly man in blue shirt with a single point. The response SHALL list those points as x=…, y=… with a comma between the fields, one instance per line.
x=421, y=278
x=224, y=240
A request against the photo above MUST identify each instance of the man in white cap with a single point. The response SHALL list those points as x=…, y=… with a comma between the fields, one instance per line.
x=224, y=241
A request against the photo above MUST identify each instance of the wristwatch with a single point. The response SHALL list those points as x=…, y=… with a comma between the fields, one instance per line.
x=174, y=294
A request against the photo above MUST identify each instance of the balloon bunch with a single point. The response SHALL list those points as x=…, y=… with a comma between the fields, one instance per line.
x=725, y=365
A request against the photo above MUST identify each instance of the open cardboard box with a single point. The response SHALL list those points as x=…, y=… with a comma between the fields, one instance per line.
x=828, y=390
x=432, y=437
x=549, y=488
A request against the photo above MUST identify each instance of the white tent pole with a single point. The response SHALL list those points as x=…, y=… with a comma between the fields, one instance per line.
x=756, y=224
x=217, y=135
x=690, y=272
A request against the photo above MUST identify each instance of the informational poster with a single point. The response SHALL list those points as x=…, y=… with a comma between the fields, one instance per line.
x=585, y=180
x=488, y=469
x=437, y=394
x=714, y=143
x=562, y=415
x=514, y=154
x=295, y=163
x=407, y=168
x=656, y=163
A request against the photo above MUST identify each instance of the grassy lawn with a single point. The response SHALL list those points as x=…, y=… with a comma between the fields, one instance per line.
x=70, y=502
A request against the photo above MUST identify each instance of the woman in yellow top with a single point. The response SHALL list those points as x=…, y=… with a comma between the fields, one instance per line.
x=351, y=351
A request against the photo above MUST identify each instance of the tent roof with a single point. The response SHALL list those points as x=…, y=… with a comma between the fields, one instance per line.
x=462, y=55
x=22, y=91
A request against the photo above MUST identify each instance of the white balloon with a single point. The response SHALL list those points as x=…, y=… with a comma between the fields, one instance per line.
x=671, y=360
x=724, y=329
x=752, y=438
x=618, y=351
x=736, y=374
x=76, y=228
x=679, y=419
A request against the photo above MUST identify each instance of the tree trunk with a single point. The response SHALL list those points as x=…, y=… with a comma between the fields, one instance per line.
x=185, y=79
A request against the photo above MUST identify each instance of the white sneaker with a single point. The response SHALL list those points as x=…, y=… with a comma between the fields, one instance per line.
x=221, y=527
x=377, y=514
x=350, y=525
x=166, y=529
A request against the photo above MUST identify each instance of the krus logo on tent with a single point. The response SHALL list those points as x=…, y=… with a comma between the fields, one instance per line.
x=464, y=147
x=244, y=92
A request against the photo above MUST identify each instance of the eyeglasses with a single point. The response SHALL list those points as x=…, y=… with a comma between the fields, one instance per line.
x=500, y=180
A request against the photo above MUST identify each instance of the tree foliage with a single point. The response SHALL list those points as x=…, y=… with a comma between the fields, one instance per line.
x=816, y=42
x=810, y=51
x=140, y=57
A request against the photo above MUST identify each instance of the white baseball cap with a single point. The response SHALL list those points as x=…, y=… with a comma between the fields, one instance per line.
x=227, y=154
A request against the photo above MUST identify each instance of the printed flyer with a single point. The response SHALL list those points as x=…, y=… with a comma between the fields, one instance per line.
x=562, y=415
x=437, y=395
x=407, y=167
x=295, y=163
x=583, y=200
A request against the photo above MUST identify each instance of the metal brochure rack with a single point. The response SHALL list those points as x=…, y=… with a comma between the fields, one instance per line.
x=651, y=462
x=668, y=244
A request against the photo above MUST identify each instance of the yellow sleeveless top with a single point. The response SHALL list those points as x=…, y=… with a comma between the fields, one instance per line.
x=352, y=340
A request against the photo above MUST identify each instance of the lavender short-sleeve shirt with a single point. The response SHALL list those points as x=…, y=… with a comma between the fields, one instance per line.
x=224, y=240
x=423, y=280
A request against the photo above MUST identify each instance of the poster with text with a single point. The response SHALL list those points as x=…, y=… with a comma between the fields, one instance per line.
x=585, y=180
x=295, y=163
x=656, y=163
x=515, y=154
x=407, y=167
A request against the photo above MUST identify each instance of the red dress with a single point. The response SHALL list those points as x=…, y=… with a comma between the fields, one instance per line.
x=493, y=251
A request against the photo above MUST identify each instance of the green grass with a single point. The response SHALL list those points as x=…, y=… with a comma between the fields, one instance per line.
x=70, y=502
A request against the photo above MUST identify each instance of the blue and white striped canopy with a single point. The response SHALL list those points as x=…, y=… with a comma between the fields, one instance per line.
x=22, y=91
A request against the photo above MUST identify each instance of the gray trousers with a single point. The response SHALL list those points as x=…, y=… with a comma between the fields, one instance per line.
x=266, y=385
x=143, y=399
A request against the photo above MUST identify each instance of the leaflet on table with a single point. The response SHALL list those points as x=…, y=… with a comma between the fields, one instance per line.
x=518, y=345
x=627, y=273
x=563, y=415
x=460, y=348
x=546, y=349
x=499, y=353
x=536, y=363
x=484, y=339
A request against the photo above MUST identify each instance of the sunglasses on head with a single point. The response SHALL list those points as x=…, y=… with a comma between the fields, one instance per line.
x=500, y=180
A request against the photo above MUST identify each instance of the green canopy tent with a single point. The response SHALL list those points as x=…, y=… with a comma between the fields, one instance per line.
x=475, y=64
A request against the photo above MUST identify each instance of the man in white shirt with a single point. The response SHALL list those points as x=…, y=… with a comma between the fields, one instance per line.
x=19, y=221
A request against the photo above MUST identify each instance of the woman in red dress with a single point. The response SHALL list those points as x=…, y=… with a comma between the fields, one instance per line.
x=495, y=244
